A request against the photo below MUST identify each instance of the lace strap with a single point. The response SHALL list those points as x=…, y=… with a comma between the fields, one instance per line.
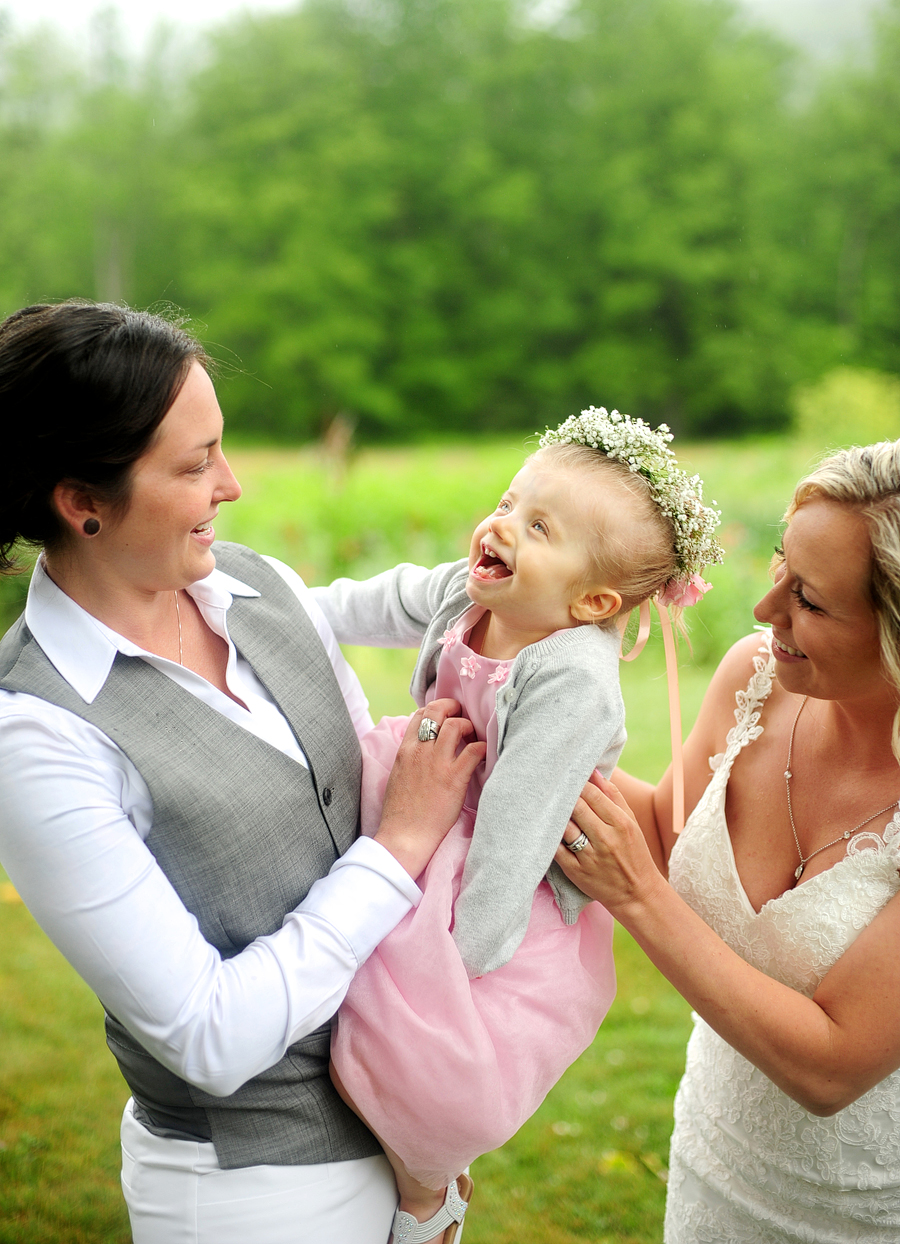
x=869, y=840
x=748, y=709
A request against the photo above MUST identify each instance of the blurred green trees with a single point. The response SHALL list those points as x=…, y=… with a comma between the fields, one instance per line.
x=431, y=215
x=848, y=406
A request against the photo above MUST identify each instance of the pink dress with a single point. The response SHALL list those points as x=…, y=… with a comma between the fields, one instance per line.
x=444, y=1068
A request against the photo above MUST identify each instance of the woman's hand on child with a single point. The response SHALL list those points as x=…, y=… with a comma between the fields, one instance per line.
x=427, y=786
x=615, y=867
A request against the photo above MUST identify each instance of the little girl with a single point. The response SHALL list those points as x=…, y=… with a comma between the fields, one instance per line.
x=467, y=1014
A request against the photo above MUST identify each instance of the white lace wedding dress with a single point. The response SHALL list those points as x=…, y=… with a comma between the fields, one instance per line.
x=747, y=1163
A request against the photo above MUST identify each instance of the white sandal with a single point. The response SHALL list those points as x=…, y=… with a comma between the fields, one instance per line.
x=408, y=1230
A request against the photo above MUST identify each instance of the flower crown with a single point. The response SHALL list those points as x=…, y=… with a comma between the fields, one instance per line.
x=679, y=496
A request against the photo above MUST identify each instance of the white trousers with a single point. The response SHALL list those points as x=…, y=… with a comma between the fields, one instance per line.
x=177, y=1193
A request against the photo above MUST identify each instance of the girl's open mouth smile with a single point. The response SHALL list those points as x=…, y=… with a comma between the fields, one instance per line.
x=489, y=566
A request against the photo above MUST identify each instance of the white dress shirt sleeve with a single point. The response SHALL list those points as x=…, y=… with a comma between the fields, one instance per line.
x=74, y=814
x=98, y=892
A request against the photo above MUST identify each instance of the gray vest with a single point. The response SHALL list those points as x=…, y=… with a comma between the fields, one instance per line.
x=242, y=832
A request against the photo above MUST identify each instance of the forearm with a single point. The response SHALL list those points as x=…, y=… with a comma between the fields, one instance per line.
x=391, y=610
x=640, y=797
x=789, y=1037
x=823, y=1051
x=82, y=868
x=244, y=1012
x=215, y=1022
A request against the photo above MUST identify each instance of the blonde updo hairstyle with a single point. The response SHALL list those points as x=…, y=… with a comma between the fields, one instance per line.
x=867, y=480
x=635, y=552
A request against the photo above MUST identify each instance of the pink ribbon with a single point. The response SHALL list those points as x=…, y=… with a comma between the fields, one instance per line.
x=674, y=701
x=674, y=720
x=643, y=633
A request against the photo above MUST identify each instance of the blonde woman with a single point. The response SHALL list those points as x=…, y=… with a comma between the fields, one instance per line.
x=780, y=921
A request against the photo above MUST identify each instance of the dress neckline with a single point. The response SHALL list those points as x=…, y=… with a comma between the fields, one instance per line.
x=463, y=630
x=796, y=889
x=465, y=624
x=746, y=730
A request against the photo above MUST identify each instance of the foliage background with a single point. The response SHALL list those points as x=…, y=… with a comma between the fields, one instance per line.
x=439, y=216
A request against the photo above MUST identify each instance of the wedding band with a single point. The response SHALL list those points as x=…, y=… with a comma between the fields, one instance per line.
x=580, y=843
x=428, y=731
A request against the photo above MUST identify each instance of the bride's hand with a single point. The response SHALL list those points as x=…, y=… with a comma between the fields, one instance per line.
x=614, y=866
x=428, y=784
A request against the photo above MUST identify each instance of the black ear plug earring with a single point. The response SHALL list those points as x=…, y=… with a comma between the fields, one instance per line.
x=91, y=526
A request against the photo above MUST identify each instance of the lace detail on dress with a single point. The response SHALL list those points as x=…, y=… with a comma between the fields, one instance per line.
x=749, y=707
x=888, y=842
x=748, y=1164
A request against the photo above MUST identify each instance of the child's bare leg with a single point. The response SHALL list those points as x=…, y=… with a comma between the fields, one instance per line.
x=423, y=1203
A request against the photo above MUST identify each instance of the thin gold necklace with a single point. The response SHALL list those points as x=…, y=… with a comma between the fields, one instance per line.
x=848, y=833
x=180, y=642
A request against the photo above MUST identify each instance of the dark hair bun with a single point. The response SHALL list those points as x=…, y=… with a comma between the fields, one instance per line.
x=83, y=388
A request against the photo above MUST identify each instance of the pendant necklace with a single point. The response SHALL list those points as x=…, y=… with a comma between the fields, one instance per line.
x=181, y=646
x=848, y=833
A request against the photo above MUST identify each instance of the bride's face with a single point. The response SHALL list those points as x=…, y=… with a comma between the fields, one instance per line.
x=825, y=633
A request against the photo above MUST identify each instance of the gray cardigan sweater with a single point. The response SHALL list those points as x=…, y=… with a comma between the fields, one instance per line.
x=559, y=716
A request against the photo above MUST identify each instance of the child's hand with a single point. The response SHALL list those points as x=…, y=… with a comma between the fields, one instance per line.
x=427, y=786
x=614, y=866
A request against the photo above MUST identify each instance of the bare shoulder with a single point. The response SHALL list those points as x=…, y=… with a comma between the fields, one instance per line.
x=707, y=738
x=733, y=674
x=716, y=716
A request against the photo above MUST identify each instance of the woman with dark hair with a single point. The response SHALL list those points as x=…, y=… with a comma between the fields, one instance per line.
x=179, y=777
x=780, y=920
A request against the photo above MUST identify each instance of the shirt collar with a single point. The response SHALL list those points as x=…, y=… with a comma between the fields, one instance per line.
x=81, y=648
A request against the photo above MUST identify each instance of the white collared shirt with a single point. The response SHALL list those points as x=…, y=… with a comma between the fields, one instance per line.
x=74, y=816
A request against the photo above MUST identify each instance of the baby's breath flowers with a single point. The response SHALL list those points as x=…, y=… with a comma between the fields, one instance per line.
x=678, y=495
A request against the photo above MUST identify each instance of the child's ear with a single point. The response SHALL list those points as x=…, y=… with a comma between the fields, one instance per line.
x=595, y=606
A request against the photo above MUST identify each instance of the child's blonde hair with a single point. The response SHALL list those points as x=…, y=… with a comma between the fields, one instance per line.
x=634, y=548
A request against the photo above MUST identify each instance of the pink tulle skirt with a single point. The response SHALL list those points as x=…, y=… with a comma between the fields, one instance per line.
x=444, y=1068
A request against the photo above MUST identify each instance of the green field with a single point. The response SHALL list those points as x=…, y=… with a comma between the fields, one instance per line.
x=590, y=1166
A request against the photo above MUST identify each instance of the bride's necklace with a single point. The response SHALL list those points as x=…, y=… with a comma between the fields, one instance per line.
x=848, y=833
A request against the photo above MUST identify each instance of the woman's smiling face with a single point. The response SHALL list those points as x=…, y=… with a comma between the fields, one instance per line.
x=163, y=540
x=825, y=632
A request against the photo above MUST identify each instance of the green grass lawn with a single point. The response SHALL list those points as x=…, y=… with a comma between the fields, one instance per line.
x=61, y=1097
x=590, y=1166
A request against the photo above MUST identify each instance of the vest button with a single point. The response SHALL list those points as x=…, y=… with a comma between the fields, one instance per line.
x=326, y=796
